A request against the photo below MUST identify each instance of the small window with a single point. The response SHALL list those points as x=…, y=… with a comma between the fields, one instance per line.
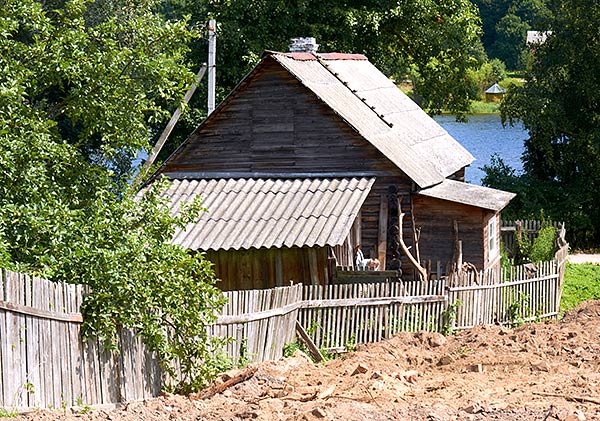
x=493, y=239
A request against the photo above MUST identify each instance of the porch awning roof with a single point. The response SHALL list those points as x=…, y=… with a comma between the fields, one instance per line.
x=469, y=194
x=254, y=213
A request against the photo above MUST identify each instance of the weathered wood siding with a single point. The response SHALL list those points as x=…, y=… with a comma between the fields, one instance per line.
x=436, y=218
x=268, y=268
x=275, y=124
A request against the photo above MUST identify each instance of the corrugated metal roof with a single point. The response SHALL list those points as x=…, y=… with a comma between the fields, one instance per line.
x=469, y=194
x=495, y=89
x=371, y=103
x=246, y=213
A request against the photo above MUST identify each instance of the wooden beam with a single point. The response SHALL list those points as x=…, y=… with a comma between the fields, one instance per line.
x=312, y=348
x=45, y=314
x=383, y=227
x=170, y=125
x=367, y=302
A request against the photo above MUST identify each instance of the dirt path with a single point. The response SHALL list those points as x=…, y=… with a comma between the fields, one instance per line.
x=584, y=258
x=545, y=371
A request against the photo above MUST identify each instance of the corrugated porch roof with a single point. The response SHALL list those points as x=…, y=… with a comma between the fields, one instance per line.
x=254, y=213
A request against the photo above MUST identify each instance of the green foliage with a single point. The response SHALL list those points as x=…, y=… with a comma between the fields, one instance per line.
x=80, y=87
x=449, y=318
x=484, y=107
x=505, y=23
x=291, y=347
x=582, y=283
x=8, y=413
x=511, y=35
x=558, y=107
x=543, y=246
x=518, y=308
x=245, y=358
x=486, y=75
x=96, y=74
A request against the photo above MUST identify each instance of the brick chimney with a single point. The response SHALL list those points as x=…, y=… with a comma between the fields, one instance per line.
x=304, y=45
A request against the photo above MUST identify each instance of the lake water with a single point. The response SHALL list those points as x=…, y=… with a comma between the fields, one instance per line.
x=484, y=136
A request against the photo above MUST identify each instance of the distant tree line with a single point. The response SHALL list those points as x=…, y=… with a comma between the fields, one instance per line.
x=505, y=25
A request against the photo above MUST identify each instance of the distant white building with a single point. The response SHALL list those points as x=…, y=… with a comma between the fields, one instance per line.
x=537, y=37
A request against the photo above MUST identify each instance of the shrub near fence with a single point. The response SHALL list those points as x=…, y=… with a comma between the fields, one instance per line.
x=530, y=228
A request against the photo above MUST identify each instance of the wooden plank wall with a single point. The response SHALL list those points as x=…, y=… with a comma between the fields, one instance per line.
x=269, y=268
x=273, y=123
x=436, y=219
x=43, y=361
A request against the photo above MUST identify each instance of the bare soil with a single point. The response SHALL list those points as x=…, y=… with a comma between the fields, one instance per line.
x=584, y=258
x=543, y=371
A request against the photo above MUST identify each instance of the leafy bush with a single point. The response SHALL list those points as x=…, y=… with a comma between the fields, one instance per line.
x=77, y=101
x=543, y=246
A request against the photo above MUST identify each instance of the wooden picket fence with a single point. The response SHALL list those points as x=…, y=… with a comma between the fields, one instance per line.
x=527, y=293
x=258, y=322
x=44, y=362
x=530, y=228
x=338, y=315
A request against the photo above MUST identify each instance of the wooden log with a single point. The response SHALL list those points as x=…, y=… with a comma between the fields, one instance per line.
x=220, y=388
x=383, y=227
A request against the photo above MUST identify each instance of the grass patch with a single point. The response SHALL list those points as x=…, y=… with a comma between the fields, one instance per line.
x=582, y=283
x=482, y=107
x=8, y=413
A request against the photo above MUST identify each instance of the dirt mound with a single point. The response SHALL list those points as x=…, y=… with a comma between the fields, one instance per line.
x=541, y=371
x=583, y=312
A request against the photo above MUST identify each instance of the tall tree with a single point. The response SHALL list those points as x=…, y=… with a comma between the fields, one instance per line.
x=560, y=107
x=80, y=86
x=505, y=23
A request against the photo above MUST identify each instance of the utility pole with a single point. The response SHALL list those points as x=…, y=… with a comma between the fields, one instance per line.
x=212, y=53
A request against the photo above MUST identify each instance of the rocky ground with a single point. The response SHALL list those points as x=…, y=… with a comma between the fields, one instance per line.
x=544, y=371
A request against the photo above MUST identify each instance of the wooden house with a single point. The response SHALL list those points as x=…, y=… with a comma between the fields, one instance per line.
x=311, y=155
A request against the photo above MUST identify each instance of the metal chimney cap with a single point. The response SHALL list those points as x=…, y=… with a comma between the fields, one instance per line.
x=304, y=45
